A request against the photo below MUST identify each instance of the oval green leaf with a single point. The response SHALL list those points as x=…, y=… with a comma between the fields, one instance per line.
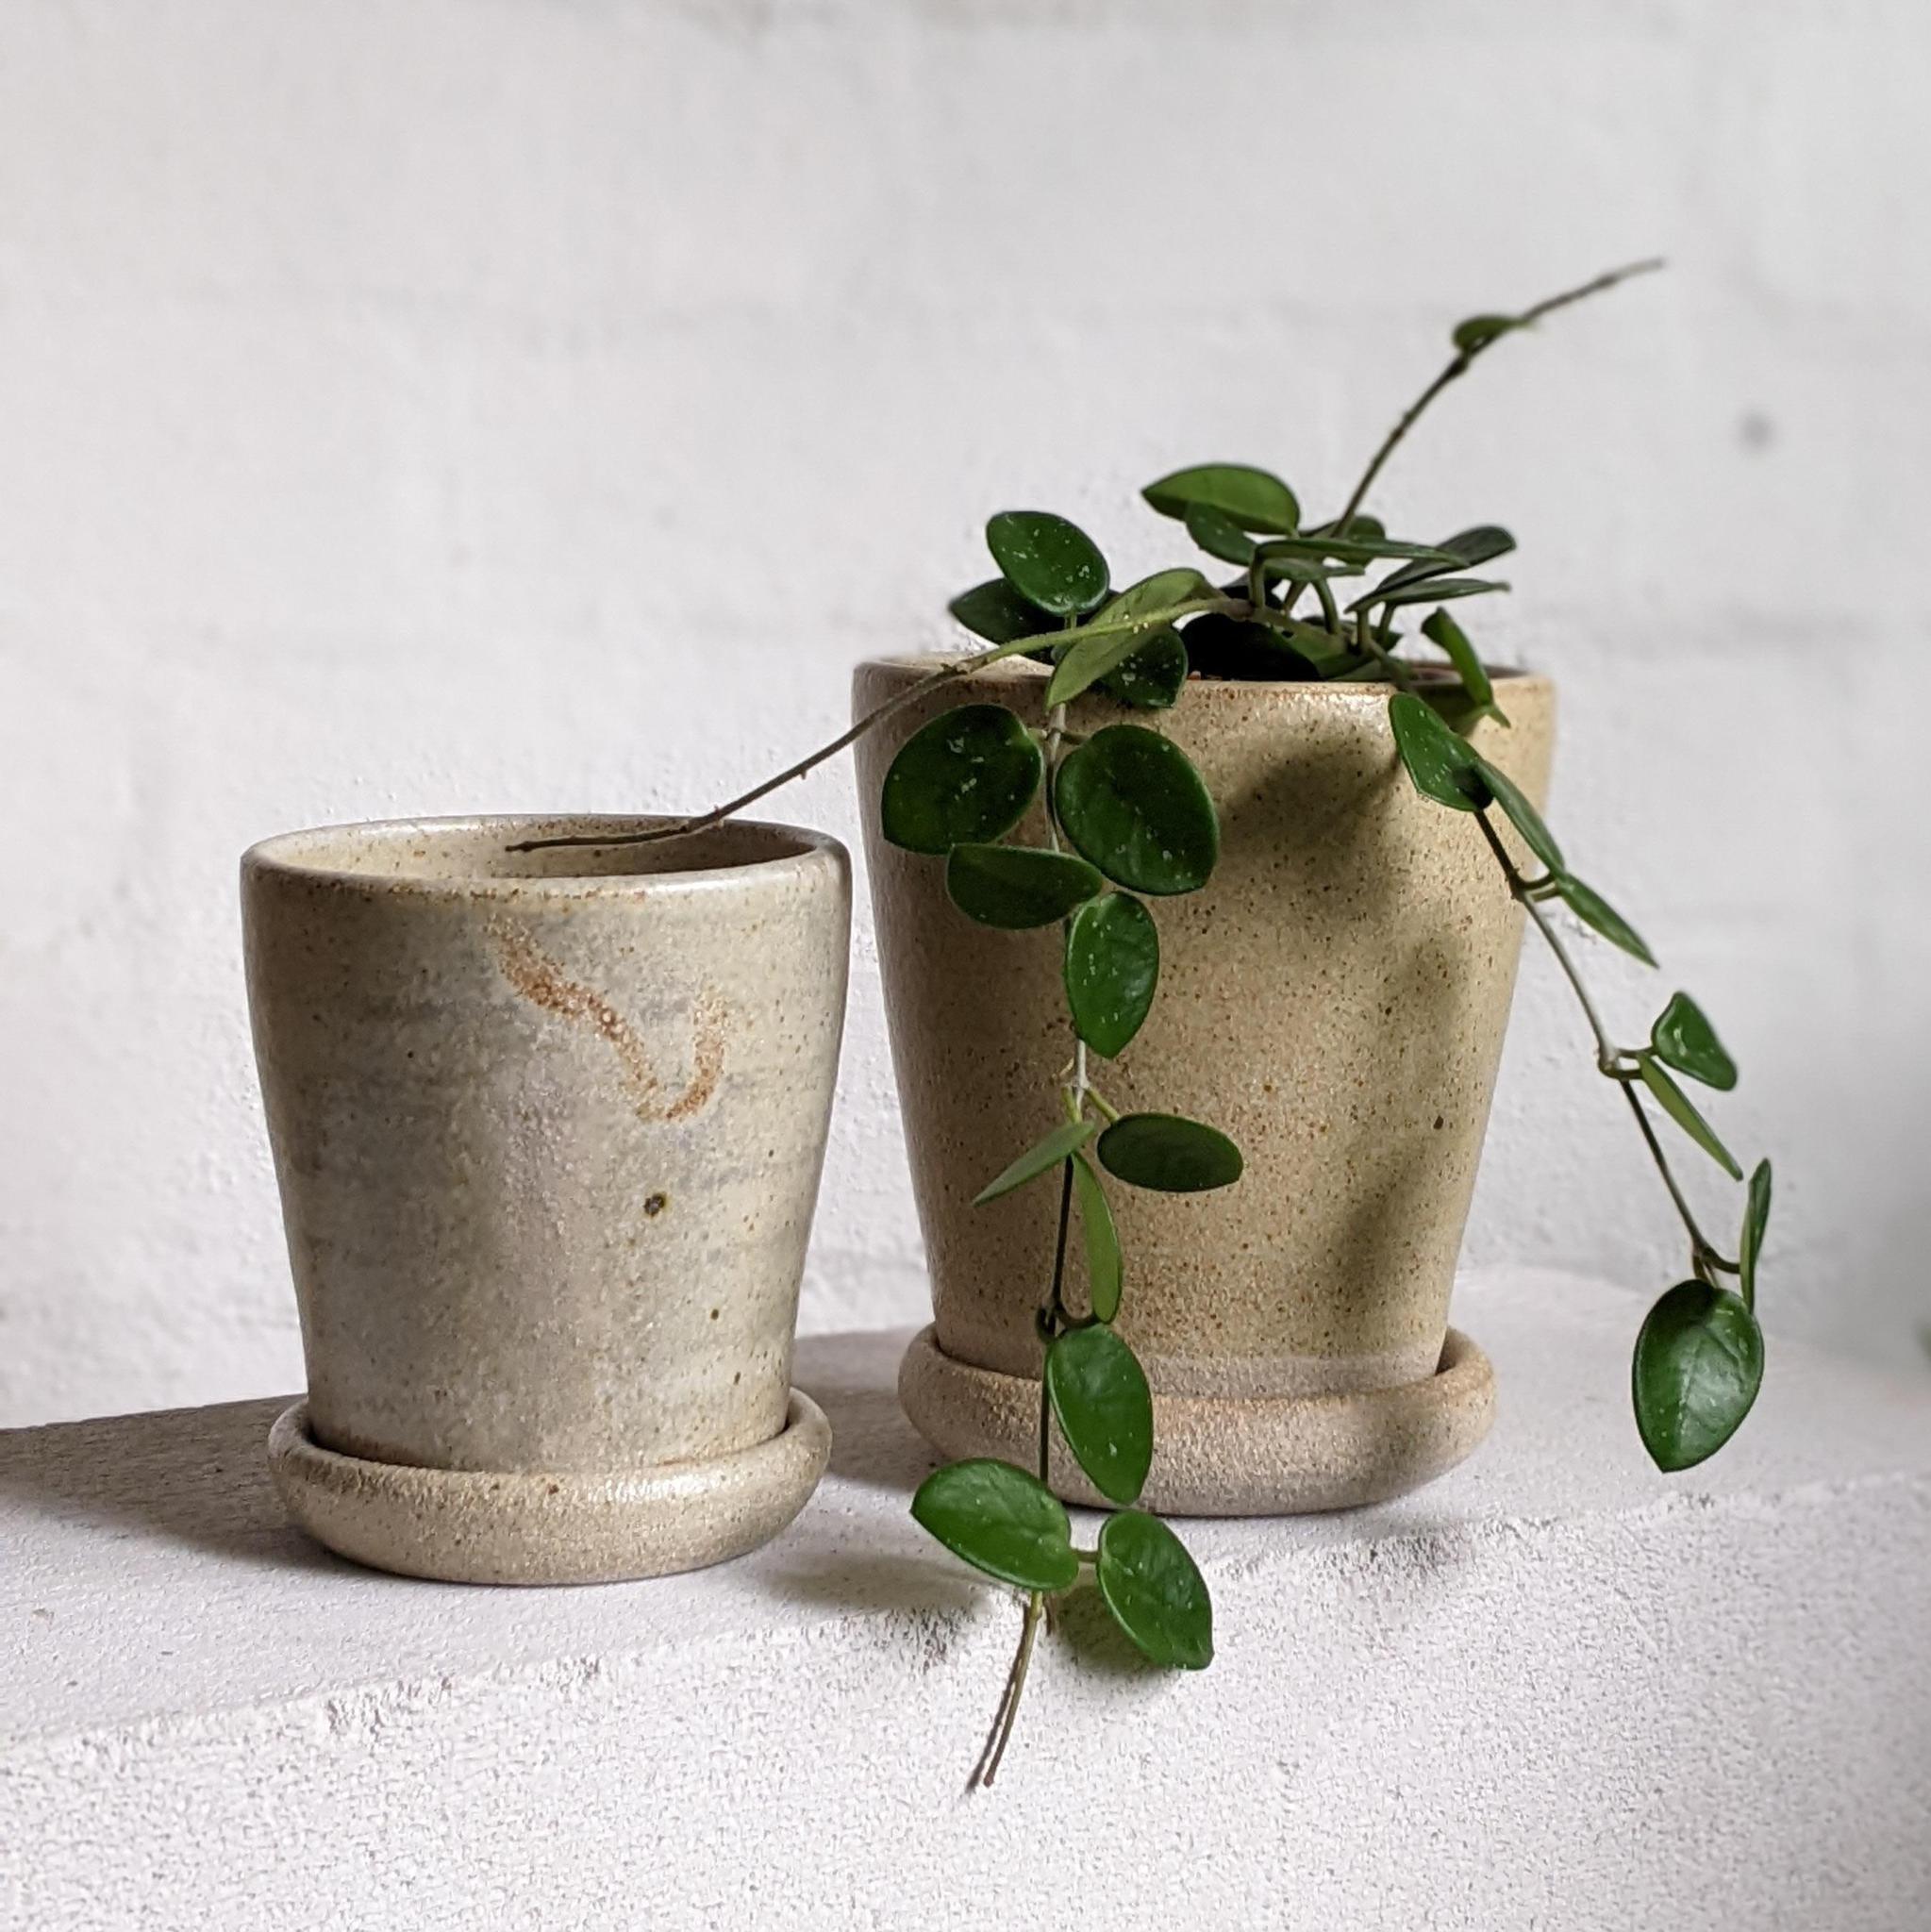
x=1112, y=967
x=1169, y=1153
x=1218, y=534
x=1597, y=913
x=1755, y=1220
x=1015, y=887
x=1436, y=591
x=1063, y=1143
x=1684, y=1039
x=1442, y=767
x=1121, y=630
x=1249, y=498
x=1521, y=814
x=995, y=611
x=1155, y=1591
x=1133, y=805
x=1442, y=631
x=1153, y=678
x=1104, y=1408
x=1049, y=561
x=1698, y=1366
x=1353, y=548
x=1678, y=1106
x=1466, y=548
x=1105, y=1271
x=1001, y=1521
x=966, y=776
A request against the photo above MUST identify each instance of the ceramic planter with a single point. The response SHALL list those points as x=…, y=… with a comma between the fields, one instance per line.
x=548, y=1128
x=1335, y=999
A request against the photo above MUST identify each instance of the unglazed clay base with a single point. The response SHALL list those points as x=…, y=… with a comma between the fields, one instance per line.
x=1218, y=1456
x=471, y=1526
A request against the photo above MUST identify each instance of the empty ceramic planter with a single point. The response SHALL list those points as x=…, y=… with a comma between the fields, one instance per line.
x=548, y=1127
x=1335, y=999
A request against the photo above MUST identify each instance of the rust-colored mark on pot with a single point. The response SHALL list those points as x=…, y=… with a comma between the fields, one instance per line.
x=543, y=983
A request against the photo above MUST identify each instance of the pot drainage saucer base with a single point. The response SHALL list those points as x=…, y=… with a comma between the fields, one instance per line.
x=482, y=1527
x=1227, y=1456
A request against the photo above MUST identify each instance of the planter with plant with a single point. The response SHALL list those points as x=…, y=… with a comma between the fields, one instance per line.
x=1268, y=1166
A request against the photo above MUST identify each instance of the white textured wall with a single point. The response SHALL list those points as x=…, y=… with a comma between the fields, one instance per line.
x=529, y=402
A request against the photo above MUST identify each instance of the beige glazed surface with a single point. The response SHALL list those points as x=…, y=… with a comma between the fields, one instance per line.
x=548, y=1128
x=1335, y=999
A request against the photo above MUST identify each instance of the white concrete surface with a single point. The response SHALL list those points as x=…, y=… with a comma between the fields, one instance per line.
x=541, y=403
x=1552, y=1691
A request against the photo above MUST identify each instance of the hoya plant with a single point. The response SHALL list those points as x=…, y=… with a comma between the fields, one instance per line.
x=1042, y=829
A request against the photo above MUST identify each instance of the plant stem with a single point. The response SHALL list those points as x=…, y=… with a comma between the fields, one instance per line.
x=1461, y=365
x=988, y=1767
x=1525, y=892
x=946, y=673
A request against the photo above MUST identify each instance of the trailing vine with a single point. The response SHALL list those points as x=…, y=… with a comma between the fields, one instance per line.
x=1127, y=819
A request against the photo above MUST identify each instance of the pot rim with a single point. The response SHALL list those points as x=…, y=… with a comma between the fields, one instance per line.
x=1026, y=670
x=798, y=853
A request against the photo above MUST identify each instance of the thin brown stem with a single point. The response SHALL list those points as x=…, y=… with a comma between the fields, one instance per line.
x=1526, y=892
x=1701, y=1252
x=1464, y=359
x=988, y=1767
x=946, y=673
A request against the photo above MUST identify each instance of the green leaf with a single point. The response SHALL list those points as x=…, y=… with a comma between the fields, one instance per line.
x=1152, y=678
x=1049, y=561
x=1063, y=1143
x=1015, y=887
x=1435, y=590
x=1169, y=1154
x=1698, y=1366
x=1121, y=628
x=995, y=611
x=1521, y=814
x=1684, y=1039
x=1756, y=1219
x=1350, y=549
x=1478, y=331
x=1595, y=911
x=1133, y=805
x=1104, y=1408
x=1360, y=525
x=1442, y=767
x=1305, y=570
x=1112, y=967
x=1678, y=1106
x=1155, y=1592
x=1218, y=534
x=1467, y=548
x=1001, y=1521
x=1105, y=1271
x=1253, y=499
x=1442, y=630
x=967, y=776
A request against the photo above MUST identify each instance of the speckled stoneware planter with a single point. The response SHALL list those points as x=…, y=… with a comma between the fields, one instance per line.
x=548, y=1127
x=1335, y=999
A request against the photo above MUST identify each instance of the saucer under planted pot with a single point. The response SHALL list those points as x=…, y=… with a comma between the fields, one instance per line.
x=1335, y=999
x=548, y=1127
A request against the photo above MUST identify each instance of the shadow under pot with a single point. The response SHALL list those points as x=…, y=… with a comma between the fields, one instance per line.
x=548, y=1127
x=1335, y=999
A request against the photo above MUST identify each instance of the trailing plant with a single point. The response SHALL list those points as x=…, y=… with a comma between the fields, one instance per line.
x=1125, y=820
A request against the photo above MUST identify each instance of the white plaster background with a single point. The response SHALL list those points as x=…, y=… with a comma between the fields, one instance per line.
x=490, y=404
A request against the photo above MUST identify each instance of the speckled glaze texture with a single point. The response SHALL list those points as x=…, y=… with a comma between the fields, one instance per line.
x=548, y=1128
x=1335, y=999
